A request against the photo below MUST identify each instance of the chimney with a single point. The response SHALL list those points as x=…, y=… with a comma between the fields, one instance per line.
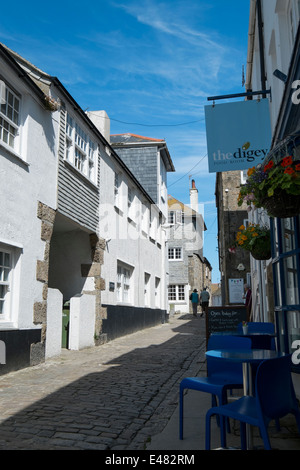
x=194, y=197
x=101, y=120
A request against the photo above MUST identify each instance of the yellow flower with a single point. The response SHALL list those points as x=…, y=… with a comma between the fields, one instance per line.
x=244, y=237
x=250, y=171
x=255, y=234
x=242, y=227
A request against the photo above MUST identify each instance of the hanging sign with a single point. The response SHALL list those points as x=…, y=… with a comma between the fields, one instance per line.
x=238, y=134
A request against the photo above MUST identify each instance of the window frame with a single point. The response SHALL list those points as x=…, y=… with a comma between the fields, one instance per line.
x=173, y=250
x=6, y=284
x=157, y=291
x=286, y=280
x=175, y=217
x=124, y=283
x=80, y=149
x=13, y=121
x=178, y=292
x=147, y=298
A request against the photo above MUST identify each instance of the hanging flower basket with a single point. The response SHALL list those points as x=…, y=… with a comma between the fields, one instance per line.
x=274, y=187
x=282, y=204
x=256, y=239
x=261, y=249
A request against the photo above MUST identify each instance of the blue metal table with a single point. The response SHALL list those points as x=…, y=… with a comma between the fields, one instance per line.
x=260, y=340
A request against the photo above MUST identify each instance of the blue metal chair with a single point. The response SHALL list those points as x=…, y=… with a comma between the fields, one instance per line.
x=263, y=342
x=275, y=398
x=221, y=375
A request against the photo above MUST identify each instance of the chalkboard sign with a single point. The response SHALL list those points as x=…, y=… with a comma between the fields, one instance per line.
x=222, y=319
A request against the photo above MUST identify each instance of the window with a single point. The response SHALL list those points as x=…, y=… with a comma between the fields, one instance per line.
x=244, y=176
x=145, y=219
x=147, y=289
x=171, y=217
x=286, y=269
x=124, y=274
x=117, y=184
x=130, y=197
x=80, y=149
x=91, y=161
x=176, y=292
x=176, y=217
x=180, y=292
x=175, y=253
x=172, y=292
x=157, y=292
x=5, y=281
x=9, y=118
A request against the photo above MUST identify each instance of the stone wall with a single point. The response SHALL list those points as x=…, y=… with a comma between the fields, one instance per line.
x=47, y=216
x=97, y=256
x=230, y=218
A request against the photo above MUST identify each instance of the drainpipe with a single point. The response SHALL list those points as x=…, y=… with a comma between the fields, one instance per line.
x=255, y=7
x=261, y=47
x=251, y=33
x=262, y=266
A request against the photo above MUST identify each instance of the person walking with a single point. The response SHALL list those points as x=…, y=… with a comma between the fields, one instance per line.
x=194, y=297
x=204, y=299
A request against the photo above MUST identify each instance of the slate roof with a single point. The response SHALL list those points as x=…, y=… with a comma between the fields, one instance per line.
x=128, y=139
x=132, y=138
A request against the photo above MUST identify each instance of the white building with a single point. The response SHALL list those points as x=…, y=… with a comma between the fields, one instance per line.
x=134, y=266
x=66, y=193
x=274, y=64
x=28, y=186
x=188, y=268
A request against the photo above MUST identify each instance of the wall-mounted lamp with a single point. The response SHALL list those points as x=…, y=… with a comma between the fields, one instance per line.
x=241, y=267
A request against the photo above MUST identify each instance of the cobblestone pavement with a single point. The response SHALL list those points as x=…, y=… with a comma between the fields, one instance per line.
x=111, y=397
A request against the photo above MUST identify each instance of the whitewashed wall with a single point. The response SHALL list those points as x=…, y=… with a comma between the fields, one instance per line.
x=127, y=241
x=27, y=175
x=280, y=20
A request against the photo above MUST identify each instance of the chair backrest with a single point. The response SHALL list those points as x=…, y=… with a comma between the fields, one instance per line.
x=274, y=387
x=227, y=342
x=217, y=367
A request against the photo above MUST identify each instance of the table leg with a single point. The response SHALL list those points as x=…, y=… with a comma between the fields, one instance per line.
x=247, y=382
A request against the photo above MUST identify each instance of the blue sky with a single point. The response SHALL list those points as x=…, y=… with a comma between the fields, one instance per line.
x=149, y=64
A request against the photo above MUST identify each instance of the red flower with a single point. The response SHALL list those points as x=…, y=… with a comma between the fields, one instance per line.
x=289, y=171
x=269, y=165
x=287, y=161
x=297, y=167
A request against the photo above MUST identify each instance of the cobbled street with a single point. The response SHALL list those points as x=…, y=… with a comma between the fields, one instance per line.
x=111, y=397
